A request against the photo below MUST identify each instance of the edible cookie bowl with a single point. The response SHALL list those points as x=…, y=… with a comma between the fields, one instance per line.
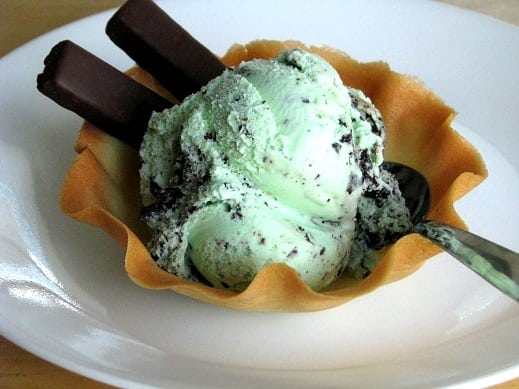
x=102, y=186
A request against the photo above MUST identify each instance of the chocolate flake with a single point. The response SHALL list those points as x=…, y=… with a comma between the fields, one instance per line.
x=292, y=253
x=346, y=138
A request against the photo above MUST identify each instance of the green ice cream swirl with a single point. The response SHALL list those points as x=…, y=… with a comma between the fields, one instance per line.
x=265, y=164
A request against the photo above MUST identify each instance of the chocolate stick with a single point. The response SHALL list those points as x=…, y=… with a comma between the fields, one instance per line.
x=81, y=82
x=163, y=48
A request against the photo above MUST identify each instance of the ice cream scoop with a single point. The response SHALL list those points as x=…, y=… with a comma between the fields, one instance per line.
x=266, y=164
x=496, y=264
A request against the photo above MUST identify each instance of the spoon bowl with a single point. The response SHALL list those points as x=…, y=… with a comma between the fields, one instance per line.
x=496, y=264
x=414, y=187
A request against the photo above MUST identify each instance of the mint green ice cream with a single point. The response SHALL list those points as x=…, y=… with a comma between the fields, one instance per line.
x=265, y=164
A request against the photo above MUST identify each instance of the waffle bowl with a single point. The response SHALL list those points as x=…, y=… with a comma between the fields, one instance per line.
x=102, y=187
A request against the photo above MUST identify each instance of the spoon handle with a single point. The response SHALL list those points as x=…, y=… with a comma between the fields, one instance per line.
x=496, y=264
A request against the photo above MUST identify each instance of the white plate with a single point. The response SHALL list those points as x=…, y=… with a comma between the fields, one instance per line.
x=65, y=295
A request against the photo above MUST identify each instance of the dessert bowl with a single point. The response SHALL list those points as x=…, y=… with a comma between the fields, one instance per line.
x=102, y=186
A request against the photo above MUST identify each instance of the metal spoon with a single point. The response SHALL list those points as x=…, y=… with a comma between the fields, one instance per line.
x=496, y=264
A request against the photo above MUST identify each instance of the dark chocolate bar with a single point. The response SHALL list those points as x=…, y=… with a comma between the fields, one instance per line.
x=163, y=48
x=109, y=99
